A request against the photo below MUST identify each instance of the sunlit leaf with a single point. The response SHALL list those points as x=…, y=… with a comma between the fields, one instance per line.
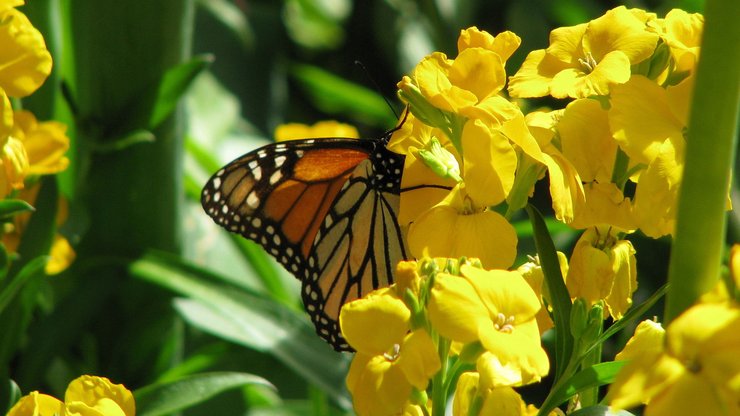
x=165, y=398
x=249, y=319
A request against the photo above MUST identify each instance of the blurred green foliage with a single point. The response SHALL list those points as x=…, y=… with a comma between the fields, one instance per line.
x=158, y=294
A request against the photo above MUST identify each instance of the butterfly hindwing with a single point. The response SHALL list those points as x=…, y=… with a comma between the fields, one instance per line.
x=325, y=209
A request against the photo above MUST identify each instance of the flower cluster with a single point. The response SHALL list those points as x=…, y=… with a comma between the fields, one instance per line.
x=444, y=318
x=614, y=158
x=85, y=396
x=613, y=155
x=690, y=367
x=28, y=148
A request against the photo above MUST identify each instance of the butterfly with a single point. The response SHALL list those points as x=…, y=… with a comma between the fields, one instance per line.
x=326, y=209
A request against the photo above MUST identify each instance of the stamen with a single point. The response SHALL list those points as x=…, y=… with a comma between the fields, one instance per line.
x=394, y=353
x=589, y=62
x=503, y=323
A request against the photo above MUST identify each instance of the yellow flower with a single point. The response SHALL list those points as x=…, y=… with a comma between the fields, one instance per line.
x=14, y=161
x=497, y=308
x=504, y=44
x=45, y=142
x=474, y=394
x=586, y=59
x=296, y=131
x=26, y=61
x=690, y=368
x=454, y=228
x=423, y=189
x=85, y=396
x=532, y=273
x=681, y=31
x=443, y=92
x=390, y=360
x=603, y=267
x=648, y=123
x=61, y=254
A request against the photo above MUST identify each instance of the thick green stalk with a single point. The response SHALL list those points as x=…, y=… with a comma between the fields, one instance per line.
x=122, y=49
x=712, y=139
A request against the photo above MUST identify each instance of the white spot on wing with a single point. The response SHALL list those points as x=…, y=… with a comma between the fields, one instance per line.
x=275, y=177
x=253, y=200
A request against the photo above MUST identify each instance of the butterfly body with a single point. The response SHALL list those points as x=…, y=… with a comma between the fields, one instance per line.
x=325, y=209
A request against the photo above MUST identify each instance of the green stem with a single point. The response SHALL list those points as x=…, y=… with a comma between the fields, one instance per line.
x=590, y=397
x=439, y=391
x=712, y=139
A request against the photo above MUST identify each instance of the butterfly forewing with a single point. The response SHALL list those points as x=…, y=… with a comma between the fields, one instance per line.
x=326, y=209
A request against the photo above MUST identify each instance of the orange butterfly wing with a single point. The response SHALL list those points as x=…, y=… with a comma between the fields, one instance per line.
x=325, y=209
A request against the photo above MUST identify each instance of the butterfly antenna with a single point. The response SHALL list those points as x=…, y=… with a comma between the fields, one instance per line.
x=377, y=88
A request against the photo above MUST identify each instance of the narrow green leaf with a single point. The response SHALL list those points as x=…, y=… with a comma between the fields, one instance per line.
x=250, y=320
x=31, y=269
x=129, y=139
x=336, y=95
x=173, y=85
x=559, y=295
x=233, y=18
x=630, y=316
x=594, y=376
x=10, y=393
x=165, y=398
x=600, y=410
x=14, y=206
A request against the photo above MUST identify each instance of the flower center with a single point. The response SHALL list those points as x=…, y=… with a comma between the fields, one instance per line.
x=393, y=353
x=589, y=63
x=504, y=324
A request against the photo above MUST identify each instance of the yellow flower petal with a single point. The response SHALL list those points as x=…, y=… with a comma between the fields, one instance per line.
x=534, y=76
x=37, y=404
x=378, y=386
x=45, y=143
x=648, y=339
x=26, y=60
x=454, y=308
x=479, y=71
x=565, y=43
x=490, y=164
x=614, y=68
x=379, y=309
x=621, y=30
x=445, y=231
x=419, y=359
x=641, y=119
x=14, y=160
x=504, y=44
x=603, y=204
x=656, y=195
x=91, y=395
x=296, y=131
x=61, y=256
x=587, y=141
x=465, y=392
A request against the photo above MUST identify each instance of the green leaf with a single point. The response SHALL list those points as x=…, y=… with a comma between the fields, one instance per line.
x=335, y=95
x=630, y=316
x=165, y=398
x=173, y=85
x=10, y=393
x=594, y=376
x=600, y=410
x=249, y=319
x=559, y=295
x=10, y=207
x=30, y=270
x=231, y=17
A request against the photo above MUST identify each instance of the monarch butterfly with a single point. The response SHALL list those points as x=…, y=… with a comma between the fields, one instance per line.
x=326, y=209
